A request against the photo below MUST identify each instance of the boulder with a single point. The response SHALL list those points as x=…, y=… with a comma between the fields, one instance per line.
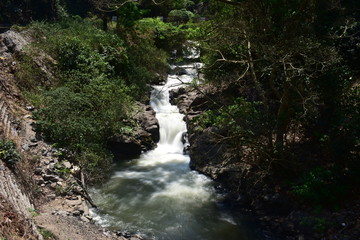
x=11, y=42
x=125, y=146
x=148, y=121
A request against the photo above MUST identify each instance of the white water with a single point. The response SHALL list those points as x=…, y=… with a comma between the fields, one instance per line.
x=157, y=195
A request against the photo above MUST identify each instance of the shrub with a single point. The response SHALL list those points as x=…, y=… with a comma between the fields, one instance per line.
x=320, y=187
x=8, y=152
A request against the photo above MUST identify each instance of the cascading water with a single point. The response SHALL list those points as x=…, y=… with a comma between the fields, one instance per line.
x=157, y=195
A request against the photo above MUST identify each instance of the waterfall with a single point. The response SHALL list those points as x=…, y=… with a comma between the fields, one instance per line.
x=157, y=195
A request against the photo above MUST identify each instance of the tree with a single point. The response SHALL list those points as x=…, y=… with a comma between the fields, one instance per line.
x=256, y=46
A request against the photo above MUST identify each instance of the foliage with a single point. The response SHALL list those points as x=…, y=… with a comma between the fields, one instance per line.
x=241, y=119
x=33, y=212
x=23, y=11
x=318, y=224
x=97, y=77
x=128, y=14
x=46, y=234
x=90, y=94
x=305, y=78
x=166, y=36
x=28, y=74
x=181, y=15
x=8, y=152
x=320, y=187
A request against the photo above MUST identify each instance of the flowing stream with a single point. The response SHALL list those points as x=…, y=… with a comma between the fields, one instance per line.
x=157, y=195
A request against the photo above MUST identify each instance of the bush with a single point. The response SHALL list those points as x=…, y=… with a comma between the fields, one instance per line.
x=8, y=152
x=320, y=187
x=181, y=15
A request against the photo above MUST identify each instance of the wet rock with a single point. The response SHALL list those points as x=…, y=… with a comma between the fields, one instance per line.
x=148, y=121
x=175, y=94
x=179, y=71
x=125, y=146
x=143, y=138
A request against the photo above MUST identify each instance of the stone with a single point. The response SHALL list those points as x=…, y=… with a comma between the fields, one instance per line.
x=34, y=144
x=179, y=71
x=51, y=196
x=30, y=108
x=85, y=208
x=50, y=178
x=84, y=219
x=76, y=213
x=38, y=171
x=51, y=165
x=66, y=164
x=25, y=147
x=39, y=181
x=149, y=122
x=44, y=153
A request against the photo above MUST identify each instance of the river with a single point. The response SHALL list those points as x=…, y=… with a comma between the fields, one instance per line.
x=157, y=195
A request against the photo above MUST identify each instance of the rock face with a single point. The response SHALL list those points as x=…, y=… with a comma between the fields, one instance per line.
x=11, y=42
x=148, y=121
x=144, y=137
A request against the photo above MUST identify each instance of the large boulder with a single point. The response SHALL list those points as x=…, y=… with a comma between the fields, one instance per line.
x=142, y=139
x=12, y=42
x=146, y=116
x=123, y=146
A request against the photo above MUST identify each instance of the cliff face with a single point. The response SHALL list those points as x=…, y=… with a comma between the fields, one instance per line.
x=17, y=206
x=208, y=155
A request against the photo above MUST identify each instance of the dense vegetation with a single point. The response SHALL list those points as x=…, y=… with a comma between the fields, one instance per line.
x=93, y=78
x=294, y=65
